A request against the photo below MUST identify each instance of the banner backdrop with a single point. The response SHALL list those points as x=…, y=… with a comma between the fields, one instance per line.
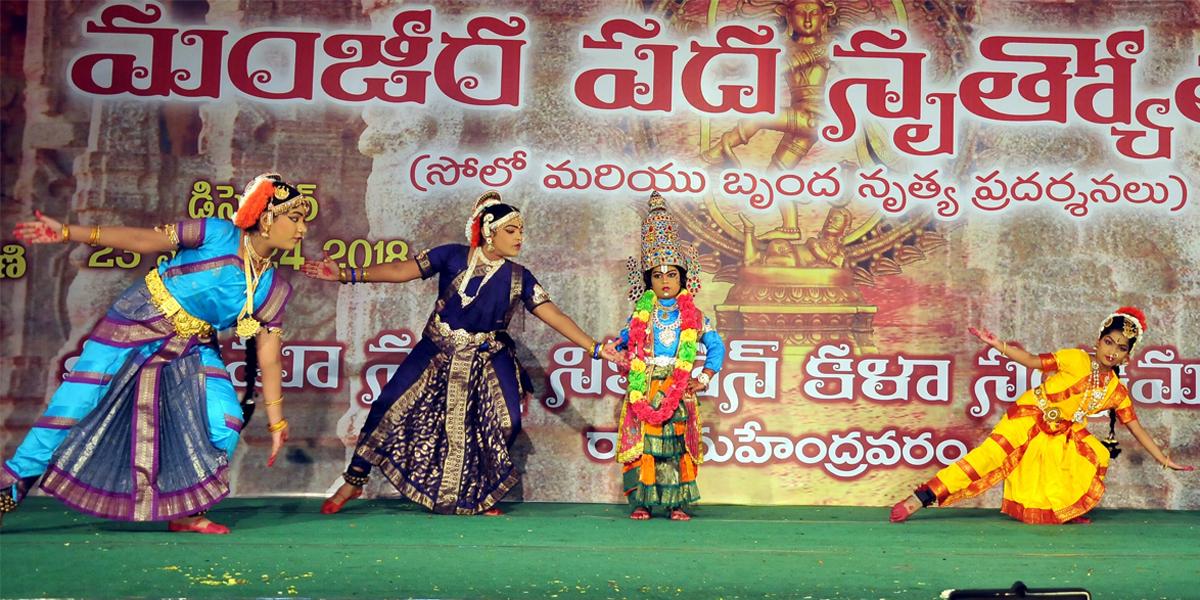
x=864, y=179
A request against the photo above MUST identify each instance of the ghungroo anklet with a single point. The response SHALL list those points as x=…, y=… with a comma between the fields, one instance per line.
x=356, y=480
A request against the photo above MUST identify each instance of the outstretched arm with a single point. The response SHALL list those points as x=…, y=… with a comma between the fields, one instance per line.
x=550, y=314
x=1147, y=442
x=1025, y=359
x=135, y=239
x=394, y=272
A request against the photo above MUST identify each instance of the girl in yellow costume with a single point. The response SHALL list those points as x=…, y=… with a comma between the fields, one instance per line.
x=1052, y=467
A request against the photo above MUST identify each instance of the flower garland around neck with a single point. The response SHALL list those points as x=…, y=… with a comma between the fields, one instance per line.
x=641, y=345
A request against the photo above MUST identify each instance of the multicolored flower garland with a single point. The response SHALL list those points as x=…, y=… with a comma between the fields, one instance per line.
x=641, y=345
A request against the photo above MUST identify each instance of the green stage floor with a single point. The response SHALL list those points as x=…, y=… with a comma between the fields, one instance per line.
x=282, y=547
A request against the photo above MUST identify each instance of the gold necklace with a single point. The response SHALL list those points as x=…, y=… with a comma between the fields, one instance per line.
x=667, y=332
x=254, y=267
x=260, y=262
x=1092, y=395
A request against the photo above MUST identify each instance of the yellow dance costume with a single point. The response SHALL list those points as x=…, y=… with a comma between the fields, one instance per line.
x=1053, y=468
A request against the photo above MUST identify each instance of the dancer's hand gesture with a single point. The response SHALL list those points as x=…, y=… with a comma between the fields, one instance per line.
x=325, y=269
x=278, y=439
x=1174, y=466
x=609, y=351
x=42, y=231
x=988, y=337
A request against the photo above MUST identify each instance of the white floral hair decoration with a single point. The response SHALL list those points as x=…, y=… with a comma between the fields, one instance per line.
x=486, y=225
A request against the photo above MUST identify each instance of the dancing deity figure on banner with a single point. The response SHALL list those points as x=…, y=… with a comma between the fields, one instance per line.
x=798, y=278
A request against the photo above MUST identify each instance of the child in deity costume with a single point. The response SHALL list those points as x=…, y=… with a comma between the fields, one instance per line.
x=658, y=433
x=145, y=424
x=1053, y=469
x=442, y=427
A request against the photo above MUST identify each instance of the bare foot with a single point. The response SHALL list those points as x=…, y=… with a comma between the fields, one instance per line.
x=678, y=515
x=1080, y=520
x=493, y=512
x=640, y=513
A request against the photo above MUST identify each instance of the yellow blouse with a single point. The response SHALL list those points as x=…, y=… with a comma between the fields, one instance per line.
x=1067, y=379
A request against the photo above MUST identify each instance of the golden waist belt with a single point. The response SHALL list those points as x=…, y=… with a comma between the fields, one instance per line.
x=458, y=338
x=186, y=325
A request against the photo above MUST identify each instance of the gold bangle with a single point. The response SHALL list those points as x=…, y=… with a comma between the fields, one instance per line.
x=65, y=233
x=274, y=402
x=277, y=426
x=95, y=235
x=342, y=274
x=364, y=275
x=1004, y=348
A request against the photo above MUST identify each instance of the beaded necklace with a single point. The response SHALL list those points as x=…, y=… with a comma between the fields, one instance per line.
x=491, y=267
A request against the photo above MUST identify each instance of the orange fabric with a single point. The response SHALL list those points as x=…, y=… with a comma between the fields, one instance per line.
x=657, y=385
x=1048, y=362
x=646, y=475
x=687, y=468
x=1005, y=445
x=1124, y=402
x=968, y=469
x=938, y=488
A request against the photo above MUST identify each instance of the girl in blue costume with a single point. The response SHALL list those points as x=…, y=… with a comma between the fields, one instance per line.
x=145, y=424
x=442, y=427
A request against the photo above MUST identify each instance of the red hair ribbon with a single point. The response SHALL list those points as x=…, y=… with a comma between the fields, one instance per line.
x=477, y=232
